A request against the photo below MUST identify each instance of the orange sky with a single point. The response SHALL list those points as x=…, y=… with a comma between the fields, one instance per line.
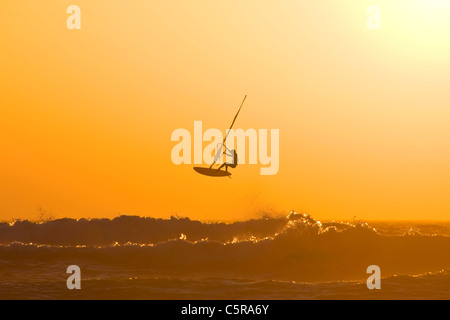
x=86, y=115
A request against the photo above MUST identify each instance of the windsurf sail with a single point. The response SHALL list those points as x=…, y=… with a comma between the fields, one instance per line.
x=222, y=145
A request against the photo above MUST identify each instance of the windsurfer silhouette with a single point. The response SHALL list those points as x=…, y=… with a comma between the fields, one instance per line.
x=231, y=153
x=233, y=163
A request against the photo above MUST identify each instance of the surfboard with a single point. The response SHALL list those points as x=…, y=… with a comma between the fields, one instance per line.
x=212, y=172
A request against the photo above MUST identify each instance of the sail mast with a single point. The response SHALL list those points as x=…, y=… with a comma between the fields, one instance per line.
x=235, y=117
x=228, y=131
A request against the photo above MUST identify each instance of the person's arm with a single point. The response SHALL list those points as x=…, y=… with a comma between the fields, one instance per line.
x=230, y=154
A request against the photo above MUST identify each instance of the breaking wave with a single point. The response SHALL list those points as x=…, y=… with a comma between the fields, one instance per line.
x=292, y=248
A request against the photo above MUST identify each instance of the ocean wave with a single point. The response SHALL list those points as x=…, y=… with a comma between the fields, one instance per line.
x=134, y=229
x=294, y=248
x=426, y=286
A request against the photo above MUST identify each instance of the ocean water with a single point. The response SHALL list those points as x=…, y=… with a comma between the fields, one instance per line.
x=293, y=257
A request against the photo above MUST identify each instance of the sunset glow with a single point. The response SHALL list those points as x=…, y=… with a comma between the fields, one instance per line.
x=86, y=115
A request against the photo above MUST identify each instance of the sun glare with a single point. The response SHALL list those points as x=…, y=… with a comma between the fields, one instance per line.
x=436, y=3
x=417, y=28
